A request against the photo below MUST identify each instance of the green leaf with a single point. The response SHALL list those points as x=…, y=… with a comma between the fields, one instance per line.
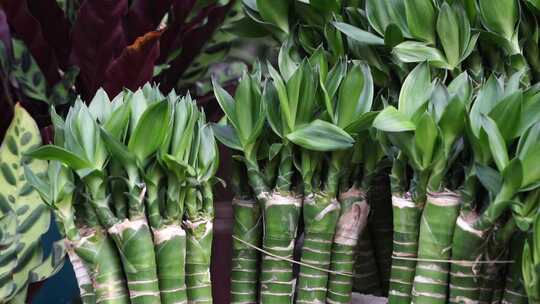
x=355, y=95
x=288, y=60
x=358, y=35
x=488, y=96
x=415, y=91
x=283, y=99
x=501, y=18
x=100, y=106
x=421, y=19
x=271, y=99
x=513, y=175
x=275, y=12
x=391, y=120
x=150, y=130
x=449, y=34
x=490, y=178
x=274, y=150
x=117, y=149
x=425, y=138
x=507, y=115
x=496, y=143
x=245, y=108
x=413, y=51
x=393, y=36
x=226, y=102
x=60, y=154
x=452, y=122
x=61, y=93
x=381, y=14
x=321, y=136
x=208, y=154
x=461, y=87
x=528, y=152
x=227, y=136
x=361, y=123
x=117, y=122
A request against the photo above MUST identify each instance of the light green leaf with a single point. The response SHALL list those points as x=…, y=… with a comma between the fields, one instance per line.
x=496, y=143
x=355, y=95
x=501, y=18
x=415, y=91
x=421, y=19
x=150, y=130
x=528, y=152
x=226, y=102
x=391, y=120
x=60, y=154
x=413, y=51
x=425, y=138
x=288, y=118
x=449, y=34
x=321, y=136
x=117, y=149
x=381, y=14
x=358, y=34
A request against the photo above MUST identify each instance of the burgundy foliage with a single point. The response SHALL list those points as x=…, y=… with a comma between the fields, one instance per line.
x=28, y=29
x=144, y=16
x=134, y=67
x=57, y=28
x=5, y=35
x=98, y=38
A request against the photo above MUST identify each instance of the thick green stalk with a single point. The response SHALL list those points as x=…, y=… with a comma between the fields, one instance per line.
x=380, y=226
x=247, y=226
x=98, y=253
x=406, y=216
x=320, y=213
x=170, y=247
x=514, y=290
x=435, y=240
x=199, y=229
x=367, y=279
x=352, y=220
x=134, y=242
x=468, y=246
x=281, y=211
x=82, y=273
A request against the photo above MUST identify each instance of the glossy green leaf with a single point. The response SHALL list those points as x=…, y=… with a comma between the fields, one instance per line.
x=359, y=35
x=497, y=144
x=425, y=138
x=117, y=149
x=271, y=99
x=355, y=95
x=488, y=96
x=391, y=120
x=275, y=12
x=449, y=33
x=281, y=89
x=226, y=102
x=150, y=130
x=421, y=19
x=321, y=136
x=528, y=152
x=413, y=51
x=490, y=178
x=60, y=154
x=383, y=13
x=500, y=18
x=507, y=115
x=452, y=122
x=415, y=91
x=227, y=136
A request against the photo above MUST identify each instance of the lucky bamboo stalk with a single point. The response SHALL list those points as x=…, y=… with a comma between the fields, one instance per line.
x=366, y=280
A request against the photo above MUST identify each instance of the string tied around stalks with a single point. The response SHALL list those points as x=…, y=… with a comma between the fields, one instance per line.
x=348, y=274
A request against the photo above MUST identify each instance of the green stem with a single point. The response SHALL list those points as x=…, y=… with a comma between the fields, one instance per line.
x=467, y=245
x=170, y=247
x=84, y=280
x=406, y=216
x=97, y=251
x=435, y=238
x=320, y=213
x=199, y=229
x=352, y=220
x=247, y=226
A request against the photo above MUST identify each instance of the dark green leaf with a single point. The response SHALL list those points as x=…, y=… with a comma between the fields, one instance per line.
x=275, y=12
x=496, y=143
x=227, y=136
x=421, y=19
x=415, y=91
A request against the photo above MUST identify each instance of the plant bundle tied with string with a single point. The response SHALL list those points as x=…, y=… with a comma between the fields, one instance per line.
x=426, y=129
x=122, y=152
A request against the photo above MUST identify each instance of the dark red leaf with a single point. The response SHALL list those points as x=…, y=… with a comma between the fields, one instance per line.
x=5, y=35
x=135, y=65
x=55, y=26
x=97, y=39
x=28, y=29
x=171, y=36
x=144, y=16
x=193, y=41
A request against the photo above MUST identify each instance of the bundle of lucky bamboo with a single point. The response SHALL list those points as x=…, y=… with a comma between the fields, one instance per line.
x=130, y=181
